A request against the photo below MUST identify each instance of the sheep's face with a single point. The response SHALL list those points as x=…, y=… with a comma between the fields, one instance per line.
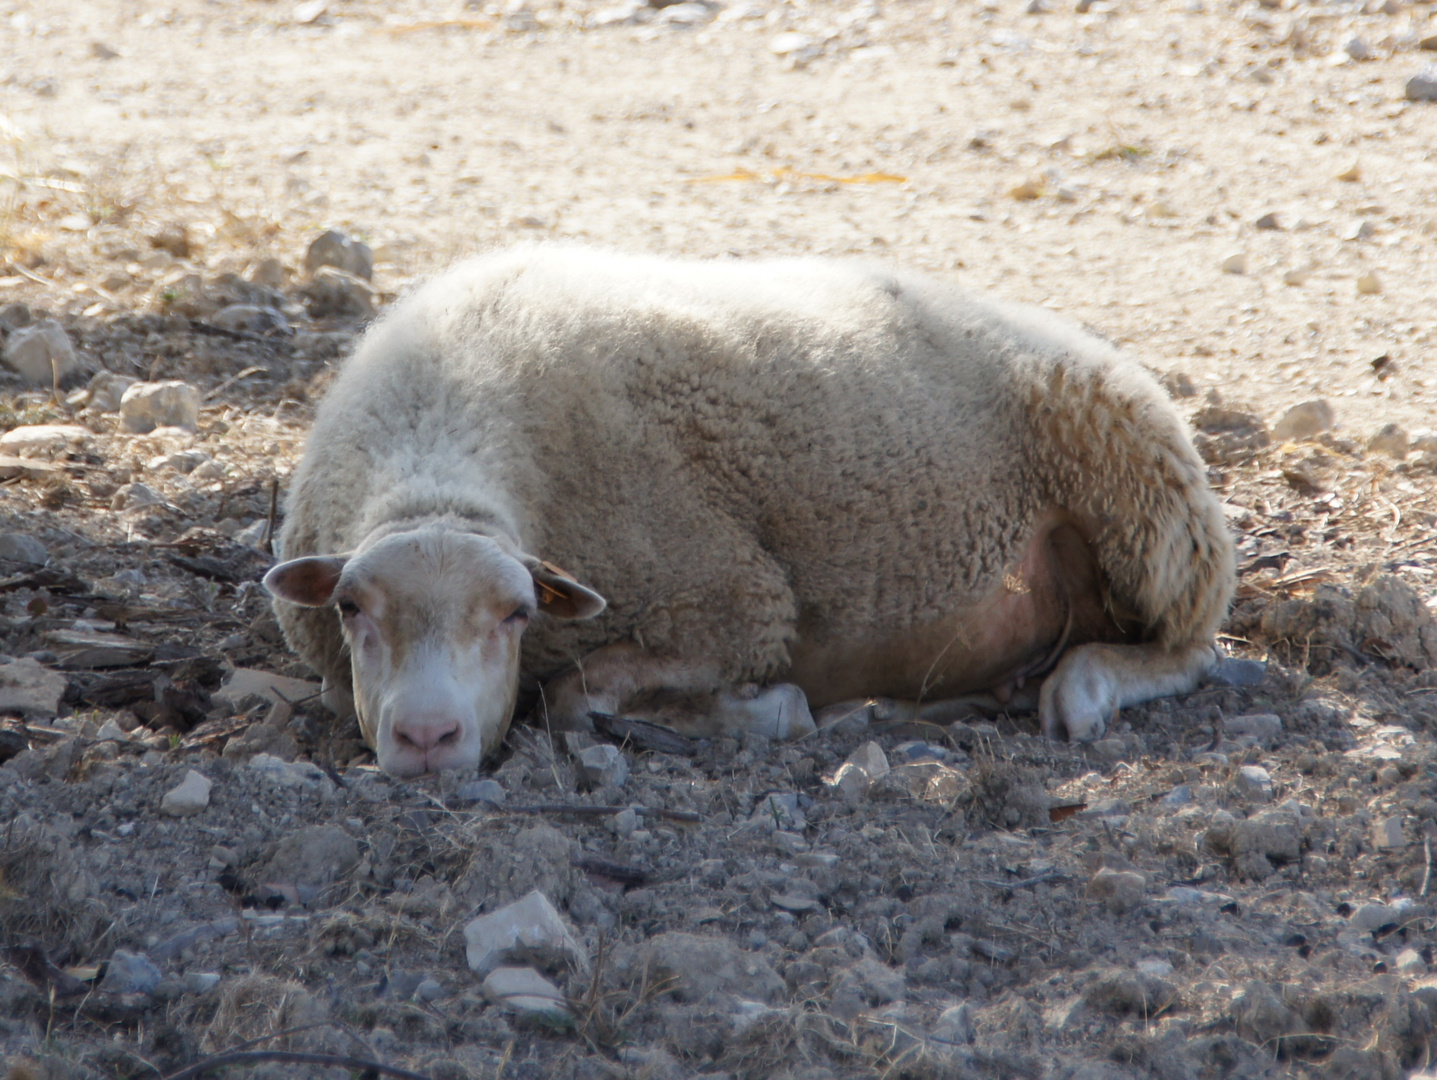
x=433, y=620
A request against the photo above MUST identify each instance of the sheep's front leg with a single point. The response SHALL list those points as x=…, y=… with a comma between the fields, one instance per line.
x=690, y=697
x=1092, y=682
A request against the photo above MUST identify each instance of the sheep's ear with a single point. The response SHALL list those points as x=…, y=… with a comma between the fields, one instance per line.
x=559, y=594
x=308, y=582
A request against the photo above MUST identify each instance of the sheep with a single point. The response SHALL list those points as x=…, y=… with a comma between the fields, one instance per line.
x=774, y=485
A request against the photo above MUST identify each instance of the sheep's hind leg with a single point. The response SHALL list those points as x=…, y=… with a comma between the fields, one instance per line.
x=1092, y=682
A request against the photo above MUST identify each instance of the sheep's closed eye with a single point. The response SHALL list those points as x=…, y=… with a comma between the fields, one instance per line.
x=347, y=607
x=518, y=615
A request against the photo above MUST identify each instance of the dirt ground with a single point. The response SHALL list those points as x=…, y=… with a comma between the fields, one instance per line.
x=1232, y=884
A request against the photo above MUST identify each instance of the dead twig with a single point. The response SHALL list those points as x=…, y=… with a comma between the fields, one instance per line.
x=293, y=1057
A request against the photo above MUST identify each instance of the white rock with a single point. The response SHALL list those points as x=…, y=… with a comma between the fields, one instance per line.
x=244, y=682
x=1368, y=284
x=1409, y=962
x=17, y=547
x=181, y=461
x=135, y=497
x=625, y=822
x=29, y=688
x=871, y=759
x=1155, y=967
x=130, y=973
x=529, y=929
x=334, y=248
x=190, y=797
x=42, y=440
x=42, y=353
x=1235, y=263
x=1389, y=439
x=292, y=774
x=1305, y=420
x=106, y=390
x=955, y=1024
x=1387, y=834
x=1253, y=782
x=111, y=732
x=524, y=991
x=851, y=781
x=790, y=42
x=1266, y=728
x=603, y=765
x=172, y=403
x=1370, y=917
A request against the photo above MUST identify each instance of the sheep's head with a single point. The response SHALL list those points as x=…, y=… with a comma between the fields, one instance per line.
x=433, y=620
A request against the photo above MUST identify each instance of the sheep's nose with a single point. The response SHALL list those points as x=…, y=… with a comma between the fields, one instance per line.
x=425, y=733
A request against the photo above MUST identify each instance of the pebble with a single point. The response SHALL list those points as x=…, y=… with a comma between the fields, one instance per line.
x=791, y=42
x=268, y=272
x=429, y=989
x=1409, y=962
x=1235, y=263
x=181, y=461
x=135, y=497
x=603, y=765
x=871, y=759
x=1182, y=795
x=524, y=991
x=1230, y=671
x=530, y=929
x=149, y=405
x=106, y=390
x=190, y=797
x=1358, y=49
x=201, y=982
x=17, y=547
x=1368, y=284
x=245, y=682
x=42, y=440
x=130, y=973
x=1374, y=916
x=251, y=319
x=1296, y=276
x=1389, y=439
x=111, y=732
x=332, y=293
x=1254, y=783
x=1387, y=834
x=28, y=688
x=336, y=249
x=42, y=353
x=485, y=791
x=1351, y=174
x=1305, y=420
x=1268, y=222
x=1119, y=889
x=1423, y=85
x=15, y=315
x=955, y=1025
x=1266, y=728
x=625, y=823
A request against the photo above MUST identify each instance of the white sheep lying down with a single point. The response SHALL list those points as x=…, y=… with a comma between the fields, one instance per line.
x=782, y=484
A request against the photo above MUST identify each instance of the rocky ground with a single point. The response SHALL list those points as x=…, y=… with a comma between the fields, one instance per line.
x=194, y=860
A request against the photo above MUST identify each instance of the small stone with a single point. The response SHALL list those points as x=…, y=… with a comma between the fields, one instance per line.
x=332, y=293
x=1409, y=962
x=310, y=10
x=190, y=797
x=201, y=982
x=28, y=688
x=1351, y=174
x=245, y=682
x=1423, y=85
x=1304, y=421
x=106, y=389
x=1374, y=916
x=1253, y=783
x=871, y=759
x=791, y=42
x=135, y=497
x=17, y=547
x=1268, y=222
x=851, y=781
x=181, y=461
x=1182, y=795
x=111, y=732
x=1428, y=44
x=1266, y=728
x=1027, y=190
x=267, y=272
x=1368, y=284
x=250, y=319
x=130, y=973
x=1358, y=49
x=15, y=315
x=1230, y=671
x=1387, y=834
x=485, y=791
x=1296, y=276
x=794, y=903
x=524, y=991
x=1274, y=834
x=43, y=440
x=42, y=353
x=335, y=249
x=625, y=823
x=603, y=766
x=1119, y=889
x=1389, y=439
x=1235, y=263
x=528, y=930
x=1363, y=230
x=955, y=1025
x=429, y=989
x=172, y=403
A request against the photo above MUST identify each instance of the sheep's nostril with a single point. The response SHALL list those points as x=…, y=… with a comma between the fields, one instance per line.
x=424, y=735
